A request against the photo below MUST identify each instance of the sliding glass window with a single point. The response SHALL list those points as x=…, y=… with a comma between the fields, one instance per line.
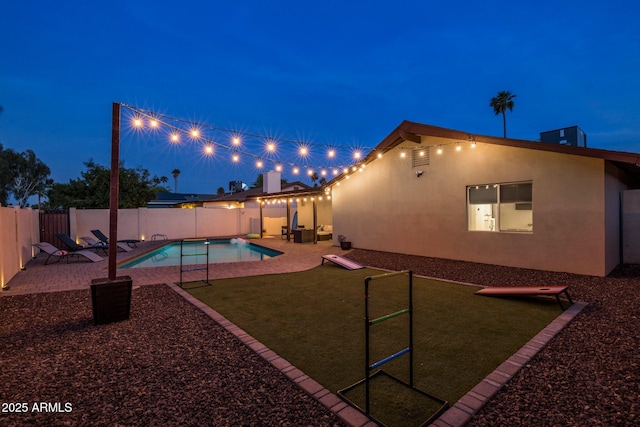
x=500, y=207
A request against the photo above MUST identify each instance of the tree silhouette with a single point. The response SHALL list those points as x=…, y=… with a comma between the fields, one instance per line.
x=314, y=178
x=500, y=104
x=175, y=173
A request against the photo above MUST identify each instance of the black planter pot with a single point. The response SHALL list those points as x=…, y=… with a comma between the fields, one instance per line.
x=345, y=245
x=111, y=299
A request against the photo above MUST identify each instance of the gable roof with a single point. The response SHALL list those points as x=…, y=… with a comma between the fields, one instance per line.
x=411, y=131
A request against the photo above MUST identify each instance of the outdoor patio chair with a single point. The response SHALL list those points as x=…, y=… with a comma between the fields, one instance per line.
x=59, y=254
x=73, y=246
x=125, y=245
x=94, y=244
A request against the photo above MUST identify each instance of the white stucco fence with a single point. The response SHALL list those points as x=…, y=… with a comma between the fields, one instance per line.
x=144, y=223
x=19, y=229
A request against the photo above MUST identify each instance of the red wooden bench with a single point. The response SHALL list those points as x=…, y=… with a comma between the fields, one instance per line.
x=528, y=290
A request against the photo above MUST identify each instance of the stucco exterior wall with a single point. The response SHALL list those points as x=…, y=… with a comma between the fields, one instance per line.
x=614, y=190
x=19, y=230
x=631, y=226
x=323, y=212
x=387, y=207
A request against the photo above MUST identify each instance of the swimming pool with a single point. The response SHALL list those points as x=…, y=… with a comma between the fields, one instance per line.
x=195, y=252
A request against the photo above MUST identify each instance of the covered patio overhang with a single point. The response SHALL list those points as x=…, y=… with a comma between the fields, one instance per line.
x=288, y=197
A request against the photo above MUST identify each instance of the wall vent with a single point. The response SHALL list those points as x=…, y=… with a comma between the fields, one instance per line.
x=420, y=156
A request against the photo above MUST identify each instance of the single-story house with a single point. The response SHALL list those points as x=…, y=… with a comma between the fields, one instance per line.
x=436, y=192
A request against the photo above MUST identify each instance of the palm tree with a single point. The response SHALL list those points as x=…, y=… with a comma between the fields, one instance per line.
x=500, y=104
x=175, y=173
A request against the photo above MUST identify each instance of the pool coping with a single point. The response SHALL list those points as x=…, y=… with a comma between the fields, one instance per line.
x=143, y=256
x=458, y=414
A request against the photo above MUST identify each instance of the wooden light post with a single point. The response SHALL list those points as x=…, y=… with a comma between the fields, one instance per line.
x=111, y=296
x=114, y=190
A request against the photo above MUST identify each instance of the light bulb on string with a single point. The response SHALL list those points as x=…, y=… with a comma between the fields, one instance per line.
x=271, y=146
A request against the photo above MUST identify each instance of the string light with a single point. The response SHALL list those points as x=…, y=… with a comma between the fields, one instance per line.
x=271, y=147
x=235, y=143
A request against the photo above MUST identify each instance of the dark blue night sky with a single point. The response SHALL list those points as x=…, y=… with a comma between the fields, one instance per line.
x=340, y=73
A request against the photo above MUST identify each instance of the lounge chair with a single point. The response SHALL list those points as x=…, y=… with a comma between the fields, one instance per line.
x=73, y=246
x=59, y=254
x=125, y=245
x=94, y=244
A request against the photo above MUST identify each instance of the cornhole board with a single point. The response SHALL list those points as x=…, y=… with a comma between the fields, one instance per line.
x=342, y=262
x=555, y=291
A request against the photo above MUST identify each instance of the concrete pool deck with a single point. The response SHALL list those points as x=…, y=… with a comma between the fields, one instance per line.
x=61, y=276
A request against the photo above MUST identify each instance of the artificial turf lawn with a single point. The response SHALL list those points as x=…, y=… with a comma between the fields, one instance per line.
x=315, y=320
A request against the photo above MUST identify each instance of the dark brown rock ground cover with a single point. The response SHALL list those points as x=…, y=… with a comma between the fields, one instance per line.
x=169, y=365
x=589, y=375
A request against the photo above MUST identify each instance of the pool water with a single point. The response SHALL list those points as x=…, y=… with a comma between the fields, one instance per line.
x=195, y=252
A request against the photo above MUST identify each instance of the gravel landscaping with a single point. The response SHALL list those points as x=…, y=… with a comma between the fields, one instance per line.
x=172, y=365
x=589, y=375
x=168, y=365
